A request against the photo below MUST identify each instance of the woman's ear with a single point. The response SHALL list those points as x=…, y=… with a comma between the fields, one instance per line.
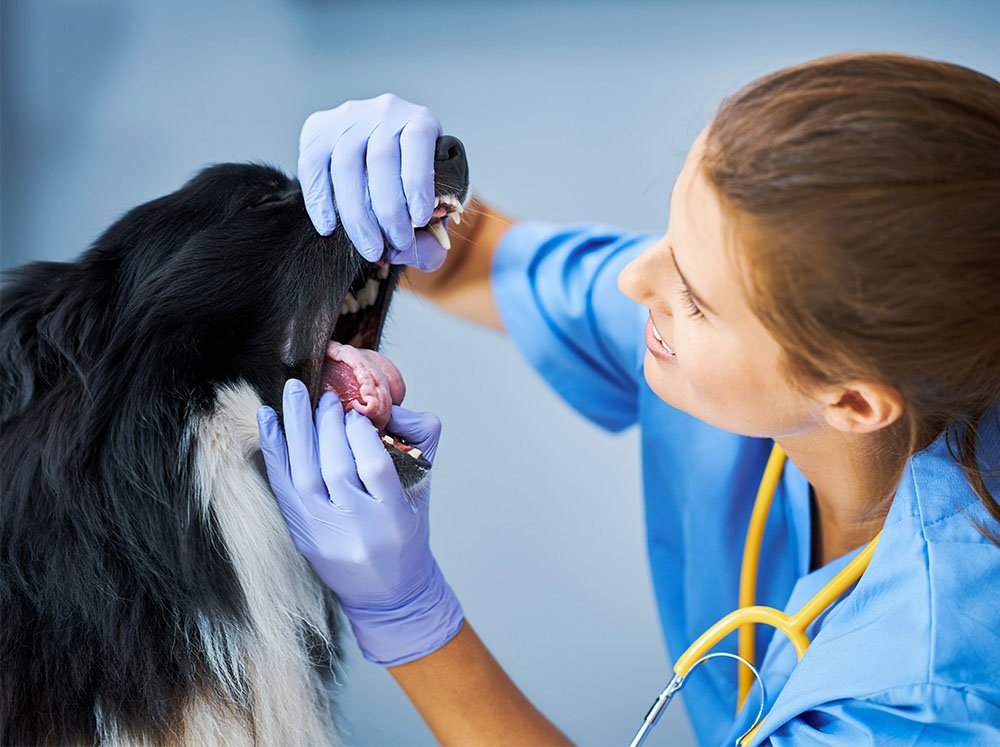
x=861, y=406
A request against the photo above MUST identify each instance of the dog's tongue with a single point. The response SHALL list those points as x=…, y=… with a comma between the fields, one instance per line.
x=364, y=380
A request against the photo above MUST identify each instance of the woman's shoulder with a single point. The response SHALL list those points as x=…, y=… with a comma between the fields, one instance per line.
x=920, y=632
x=942, y=544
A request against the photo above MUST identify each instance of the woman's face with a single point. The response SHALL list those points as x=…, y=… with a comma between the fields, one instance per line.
x=716, y=361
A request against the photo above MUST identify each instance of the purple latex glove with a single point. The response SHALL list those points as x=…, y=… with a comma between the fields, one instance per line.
x=347, y=514
x=375, y=159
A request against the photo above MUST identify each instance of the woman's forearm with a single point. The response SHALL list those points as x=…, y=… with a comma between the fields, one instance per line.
x=462, y=285
x=467, y=699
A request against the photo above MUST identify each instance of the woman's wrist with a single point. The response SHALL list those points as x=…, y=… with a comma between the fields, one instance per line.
x=410, y=630
x=466, y=698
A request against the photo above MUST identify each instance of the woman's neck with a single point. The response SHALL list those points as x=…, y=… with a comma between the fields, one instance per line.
x=852, y=488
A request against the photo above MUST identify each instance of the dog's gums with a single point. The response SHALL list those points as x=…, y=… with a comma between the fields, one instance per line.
x=364, y=381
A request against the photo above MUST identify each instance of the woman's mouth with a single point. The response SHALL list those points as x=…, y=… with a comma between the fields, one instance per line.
x=655, y=343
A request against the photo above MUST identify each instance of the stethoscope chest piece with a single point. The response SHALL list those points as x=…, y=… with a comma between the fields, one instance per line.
x=677, y=682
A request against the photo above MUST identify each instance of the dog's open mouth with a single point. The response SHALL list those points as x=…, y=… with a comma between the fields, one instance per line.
x=445, y=207
x=363, y=379
x=362, y=313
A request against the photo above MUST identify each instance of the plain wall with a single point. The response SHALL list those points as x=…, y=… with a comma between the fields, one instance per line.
x=570, y=111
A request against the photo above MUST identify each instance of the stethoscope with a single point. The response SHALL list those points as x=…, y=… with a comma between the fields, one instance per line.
x=748, y=614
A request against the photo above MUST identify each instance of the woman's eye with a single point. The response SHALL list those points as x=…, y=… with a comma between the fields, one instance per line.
x=693, y=311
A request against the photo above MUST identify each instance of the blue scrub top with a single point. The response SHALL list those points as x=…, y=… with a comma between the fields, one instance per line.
x=912, y=653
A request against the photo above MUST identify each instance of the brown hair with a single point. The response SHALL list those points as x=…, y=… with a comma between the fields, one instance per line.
x=865, y=190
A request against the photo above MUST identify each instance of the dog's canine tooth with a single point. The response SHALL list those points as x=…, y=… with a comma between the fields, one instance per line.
x=456, y=212
x=368, y=294
x=383, y=271
x=440, y=233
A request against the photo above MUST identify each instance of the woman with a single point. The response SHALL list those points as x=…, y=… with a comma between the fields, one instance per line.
x=830, y=282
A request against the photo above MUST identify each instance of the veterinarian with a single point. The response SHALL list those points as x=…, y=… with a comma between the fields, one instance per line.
x=828, y=291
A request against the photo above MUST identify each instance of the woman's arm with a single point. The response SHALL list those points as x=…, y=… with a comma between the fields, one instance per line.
x=348, y=514
x=466, y=698
x=462, y=285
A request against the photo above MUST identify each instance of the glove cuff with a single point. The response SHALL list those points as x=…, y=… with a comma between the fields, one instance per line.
x=411, y=631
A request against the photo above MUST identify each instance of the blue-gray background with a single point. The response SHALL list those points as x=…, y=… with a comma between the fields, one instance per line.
x=570, y=111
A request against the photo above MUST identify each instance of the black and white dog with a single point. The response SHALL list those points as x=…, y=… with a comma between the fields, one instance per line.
x=149, y=591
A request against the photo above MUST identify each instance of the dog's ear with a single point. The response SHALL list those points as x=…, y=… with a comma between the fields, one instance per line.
x=29, y=293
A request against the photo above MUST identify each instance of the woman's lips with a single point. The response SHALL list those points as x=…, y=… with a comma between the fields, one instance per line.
x=655, y=344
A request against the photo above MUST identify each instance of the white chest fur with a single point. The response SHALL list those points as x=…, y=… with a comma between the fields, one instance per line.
x=264, y=666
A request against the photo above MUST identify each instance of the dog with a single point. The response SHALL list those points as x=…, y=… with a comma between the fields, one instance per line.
x=149, y=589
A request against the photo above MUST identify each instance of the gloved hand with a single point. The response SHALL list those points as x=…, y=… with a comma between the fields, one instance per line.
x=347, y=514
x=395, y=140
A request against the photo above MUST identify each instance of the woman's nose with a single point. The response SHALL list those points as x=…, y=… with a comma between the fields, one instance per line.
x=638, y=280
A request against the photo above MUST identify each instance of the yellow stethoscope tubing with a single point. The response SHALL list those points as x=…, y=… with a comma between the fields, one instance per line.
x=751, y=559
x=793, y=626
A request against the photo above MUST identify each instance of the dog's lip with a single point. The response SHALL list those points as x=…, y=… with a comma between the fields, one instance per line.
x=446, y=206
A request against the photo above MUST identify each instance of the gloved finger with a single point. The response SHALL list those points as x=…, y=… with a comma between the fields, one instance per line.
x=386, y=188
x=335, y=457
x=275, y=453
x=350, y=190
x=421, y=429
x=374, y=464
x=314, y=174
x=417, y=141
x=428, y=254
x=300, y=433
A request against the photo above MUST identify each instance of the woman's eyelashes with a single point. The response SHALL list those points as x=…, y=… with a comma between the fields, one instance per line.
x=692, y=308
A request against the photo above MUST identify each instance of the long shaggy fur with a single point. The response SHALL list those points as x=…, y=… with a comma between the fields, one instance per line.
x=150, y=593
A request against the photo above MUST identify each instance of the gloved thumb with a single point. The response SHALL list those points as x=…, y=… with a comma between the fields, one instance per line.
x=420, y=429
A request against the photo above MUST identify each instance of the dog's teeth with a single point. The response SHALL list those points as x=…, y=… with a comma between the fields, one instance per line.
x=350, y=305
x=362, y=296
x=457, y=217
x=437, y=202
x=368, y=294
x=345, y=308
x=383, y=271
x=440, y=233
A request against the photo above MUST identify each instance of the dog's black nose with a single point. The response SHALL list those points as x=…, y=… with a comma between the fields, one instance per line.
x=448, y=149
x=451, y=169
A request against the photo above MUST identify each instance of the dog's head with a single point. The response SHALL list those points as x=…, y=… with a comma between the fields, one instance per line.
x=223, y=280
x=132, y=523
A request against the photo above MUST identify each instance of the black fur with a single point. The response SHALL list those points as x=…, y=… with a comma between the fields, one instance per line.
x=104, y=363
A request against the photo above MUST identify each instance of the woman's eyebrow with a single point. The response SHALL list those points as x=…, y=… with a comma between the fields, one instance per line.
x=694, y=294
